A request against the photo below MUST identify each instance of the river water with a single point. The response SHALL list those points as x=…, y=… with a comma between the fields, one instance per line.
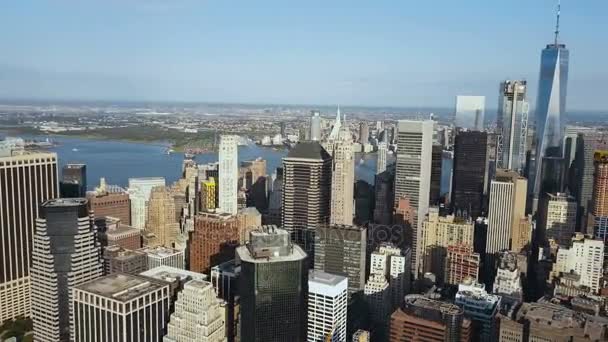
x=118, y=161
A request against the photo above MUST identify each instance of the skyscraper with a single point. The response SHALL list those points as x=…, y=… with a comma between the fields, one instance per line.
x=315, y=126
x=551, y=105
x=363, y=132
x=139, y=195
x=507, y=207
x=66, y=254
x=437, y=160
x=470, y=112
x=341, y=250
x=121, y=307
x=162, y=218
x=306, y=192
x=512, y=125
x=198, y=316
x=470, y=174
x=382, y=149
x=384, y=196
x=73, y=180
x=558, y=218
x=342, y=179
x=105, y=201
x=273, y=285
x=584, y=165
x=25, y=181
x=585, y=258
x=600, y=196
x=327, y=306
x=413, y=178
x=229, y=172
x=213, y=240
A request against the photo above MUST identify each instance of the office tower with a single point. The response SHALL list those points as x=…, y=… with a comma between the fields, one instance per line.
x=120, y=307
x=470, y=111
x=424, y=319
x=599, y=201
x=164, y=256
x=341, y=250
x=508, y=280
x=461, y=263
x=213, y=240
x=110, y=200
x=119, y=259
x=275, y=200
x=470, y=174
x=384, y=196
x=413, y=178
x=388, y=282
x=584, y=165
x=228, y=173
x=480, y=307
x=522, y=237
x=208, y=190
x=25, y=181
x=113, y=233
x=585, y=258
x=225, y=279
x=438, y=233
x=198, y=316
x=437, y=160
x=327, y=298
x=550, y=107
x=162, y=219
x=512, y=125
x=139, y=195
x=342, y=179
x=363, y=132
x=273, y=287
x=252, y=177
x=381, y=164
x=507, y=207
x=571, y=142
x=73, y=181
x=66, y=254
x=248, y=219
x=306, y=192
x=557, y=218
x=364, y=202
x=315, y=126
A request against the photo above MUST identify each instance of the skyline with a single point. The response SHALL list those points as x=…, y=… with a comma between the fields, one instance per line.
x=312, y=54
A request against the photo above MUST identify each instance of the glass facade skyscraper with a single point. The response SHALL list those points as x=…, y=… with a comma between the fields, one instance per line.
x=551, y=106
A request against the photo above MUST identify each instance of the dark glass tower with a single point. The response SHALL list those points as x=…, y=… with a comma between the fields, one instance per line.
x=273, y=286
x=73, y=181
x=551, y=107
x=470, y=173
x=66, y=254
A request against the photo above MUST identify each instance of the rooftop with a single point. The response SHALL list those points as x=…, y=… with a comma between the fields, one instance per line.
x=160, y=251
x=65, y=202
x=168, y=273
x=309, y=150
x=430, y=304
x=325, y=278
x=121, y=287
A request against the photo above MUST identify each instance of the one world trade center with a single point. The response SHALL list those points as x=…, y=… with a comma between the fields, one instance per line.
x=550, y=111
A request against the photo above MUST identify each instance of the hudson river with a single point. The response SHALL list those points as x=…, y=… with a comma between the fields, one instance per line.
x=118, y=161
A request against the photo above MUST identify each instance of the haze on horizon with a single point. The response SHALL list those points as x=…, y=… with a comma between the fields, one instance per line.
x=380, y=53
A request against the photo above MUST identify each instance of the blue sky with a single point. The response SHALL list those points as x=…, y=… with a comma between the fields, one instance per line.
x=378, y=53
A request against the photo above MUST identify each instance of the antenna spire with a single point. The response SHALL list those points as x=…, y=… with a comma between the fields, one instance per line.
x=557, y=21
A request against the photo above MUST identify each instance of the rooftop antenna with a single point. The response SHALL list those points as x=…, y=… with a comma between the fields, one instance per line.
x=557, y=21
